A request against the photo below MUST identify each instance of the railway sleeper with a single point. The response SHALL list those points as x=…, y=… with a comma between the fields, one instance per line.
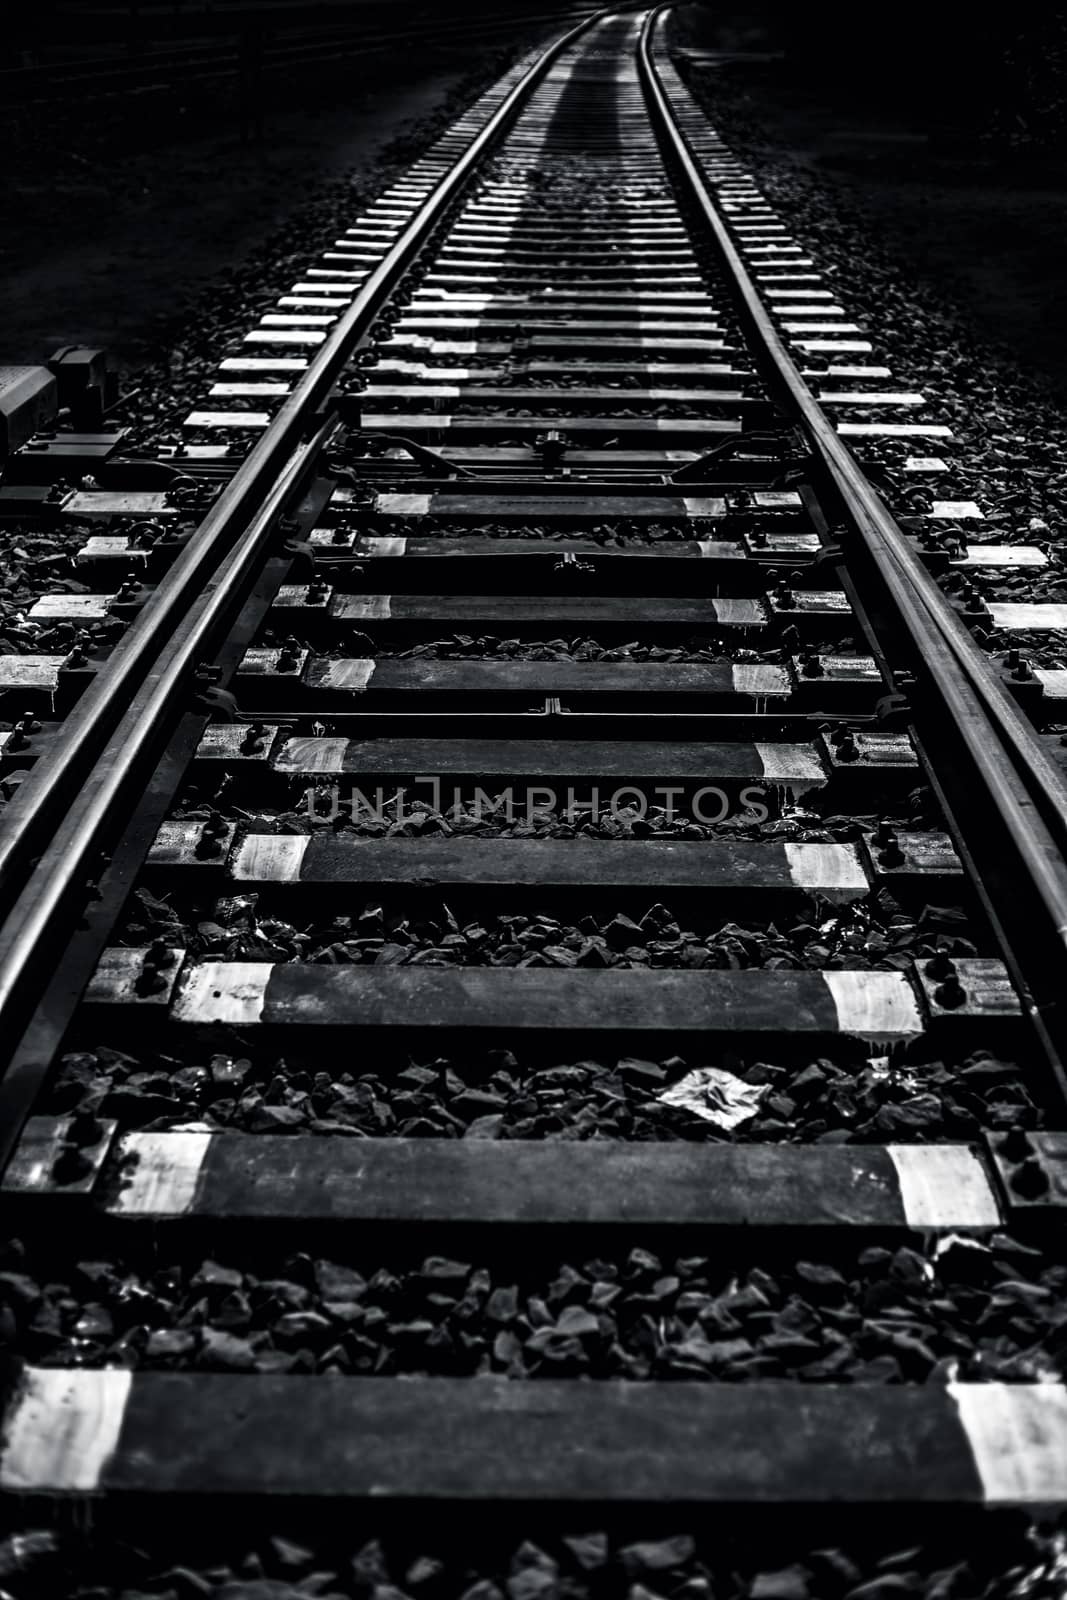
x=859, y=763
x=792, y=1009
x=429, y=562
x=586, y=341
x=118, y=1436
x=290, y=677
x=318, y=609
x=322, y=866
x=461, y=1187
x=311, y=607
x=594, y=431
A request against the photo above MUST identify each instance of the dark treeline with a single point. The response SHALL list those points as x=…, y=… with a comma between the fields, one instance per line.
x=50, y=27
x=997, y=70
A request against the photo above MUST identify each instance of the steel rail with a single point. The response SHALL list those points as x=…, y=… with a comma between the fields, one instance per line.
x=67, y=809
x=1024, y=789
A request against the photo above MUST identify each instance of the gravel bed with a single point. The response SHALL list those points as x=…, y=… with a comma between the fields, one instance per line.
x=616, y=532
x=954, y=1310
x=21, y=636
x=472, y=811
x=496, y=1094
x=415, y=819
x=1005, y=1558
x=490, y=647
x=407, y=929
x=706, y=648
x=1039, y=585
x=1040, y=649
x=36, y=561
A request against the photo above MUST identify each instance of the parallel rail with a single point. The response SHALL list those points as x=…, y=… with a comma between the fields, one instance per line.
x=996, y=753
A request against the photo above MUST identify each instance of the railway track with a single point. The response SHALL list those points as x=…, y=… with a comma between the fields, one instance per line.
x=525, y=905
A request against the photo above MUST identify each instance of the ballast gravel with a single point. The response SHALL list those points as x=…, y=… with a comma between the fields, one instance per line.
x=708, y=646
x=494, y=815
x=956, y=1309
x=420, y=930
x=497, y=1094
x=1005, y=1559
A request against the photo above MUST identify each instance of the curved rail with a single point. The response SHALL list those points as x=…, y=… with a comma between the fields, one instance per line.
x=69, y=808
x=1023, y=794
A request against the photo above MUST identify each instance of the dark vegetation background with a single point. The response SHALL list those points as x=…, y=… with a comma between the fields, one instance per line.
x=996, y=72
x=133, y=184
x=944, y=125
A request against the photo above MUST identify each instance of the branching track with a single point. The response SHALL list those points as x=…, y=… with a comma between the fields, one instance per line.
x=510, y=748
